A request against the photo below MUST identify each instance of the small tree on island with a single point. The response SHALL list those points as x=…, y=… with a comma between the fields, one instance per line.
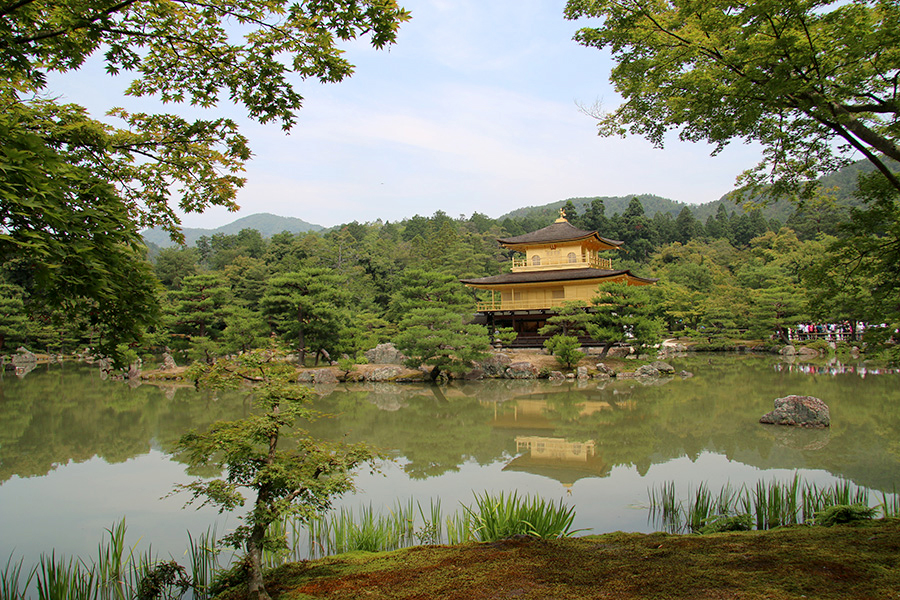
x=625, y=312
x=565, y=348
x=299, y=481
x=438, y=337
x=571, y=321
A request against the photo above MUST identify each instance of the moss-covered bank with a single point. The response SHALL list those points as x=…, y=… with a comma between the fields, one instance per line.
x=859, y=561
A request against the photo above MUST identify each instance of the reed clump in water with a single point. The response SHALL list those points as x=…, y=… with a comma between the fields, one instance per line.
x=118, y=573
x=766, y=505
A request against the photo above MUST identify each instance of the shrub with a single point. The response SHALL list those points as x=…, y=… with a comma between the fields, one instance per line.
x=844, y=513
x=821, y=346
x=565, y=349
x=721, y=523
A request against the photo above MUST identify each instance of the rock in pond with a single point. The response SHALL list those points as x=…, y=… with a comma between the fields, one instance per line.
x=798, y=411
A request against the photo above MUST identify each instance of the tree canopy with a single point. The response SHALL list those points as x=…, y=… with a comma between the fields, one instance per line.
x=299, y=479
x=795, y=76
x=75, y=190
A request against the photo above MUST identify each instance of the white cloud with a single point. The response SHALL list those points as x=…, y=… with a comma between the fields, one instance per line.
x=473, y=110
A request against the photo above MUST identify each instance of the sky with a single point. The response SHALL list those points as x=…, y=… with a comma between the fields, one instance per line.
x=475, y=108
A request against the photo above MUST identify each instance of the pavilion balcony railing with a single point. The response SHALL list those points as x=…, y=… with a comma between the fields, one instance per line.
x=526, y=264
x=497, y=304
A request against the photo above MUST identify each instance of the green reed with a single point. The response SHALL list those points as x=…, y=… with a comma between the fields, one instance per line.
x=411, y=523
x=460, y=528
x=203, y=555
x=11, y=584
x=890, y=507
x=115, y=574
x=65, y=580
x=501, y=516
x=768, y=504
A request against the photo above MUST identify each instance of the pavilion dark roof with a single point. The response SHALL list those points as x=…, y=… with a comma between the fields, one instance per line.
x=561, y=231
x=551, y=276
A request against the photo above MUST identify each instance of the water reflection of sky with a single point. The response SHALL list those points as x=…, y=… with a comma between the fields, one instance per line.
x=69, y=508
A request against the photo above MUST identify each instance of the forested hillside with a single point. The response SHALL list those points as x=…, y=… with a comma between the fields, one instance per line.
x=840, y=185
x=344, y=290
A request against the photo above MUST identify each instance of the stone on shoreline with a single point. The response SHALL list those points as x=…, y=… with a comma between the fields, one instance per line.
x=385, y=354
x=521, y=370
x=317, y=376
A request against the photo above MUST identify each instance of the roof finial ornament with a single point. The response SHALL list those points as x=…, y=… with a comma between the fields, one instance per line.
x=562, y=216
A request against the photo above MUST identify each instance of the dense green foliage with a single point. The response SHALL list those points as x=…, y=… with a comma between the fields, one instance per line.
x=75, y=190
x=812, y=81
x=565, y=348
x=345, y=290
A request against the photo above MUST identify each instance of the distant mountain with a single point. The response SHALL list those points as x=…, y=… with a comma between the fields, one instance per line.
x=614, y=204
x=841, y=184
x=265, y=223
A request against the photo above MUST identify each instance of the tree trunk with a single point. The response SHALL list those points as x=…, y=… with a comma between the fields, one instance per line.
x=783, y=335
x=262, y=506
x=302, y=348
x=256, y=587
x=606, y=348
x=301, y=339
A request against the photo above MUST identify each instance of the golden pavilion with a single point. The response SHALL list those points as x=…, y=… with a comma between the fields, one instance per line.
x=559, y=263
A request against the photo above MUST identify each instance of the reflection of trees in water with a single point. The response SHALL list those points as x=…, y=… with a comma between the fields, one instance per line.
x=63, y=412
x=434, y=432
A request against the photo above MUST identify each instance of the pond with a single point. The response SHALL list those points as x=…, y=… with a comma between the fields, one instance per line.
x=78, y=453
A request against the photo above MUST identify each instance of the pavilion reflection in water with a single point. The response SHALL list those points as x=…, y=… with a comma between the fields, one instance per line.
x=539, y=451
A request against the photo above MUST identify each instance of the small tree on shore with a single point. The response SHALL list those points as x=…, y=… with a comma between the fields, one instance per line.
x=565, y=349
x=441, y=339
x=625, y=312
x=571, y=319
x=298, y=480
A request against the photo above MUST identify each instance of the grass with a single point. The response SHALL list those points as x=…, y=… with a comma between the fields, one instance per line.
x=507, y=522
x=768, y=504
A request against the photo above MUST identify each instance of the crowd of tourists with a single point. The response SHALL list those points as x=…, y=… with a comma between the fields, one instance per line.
x=832, y=332
x=834, y=368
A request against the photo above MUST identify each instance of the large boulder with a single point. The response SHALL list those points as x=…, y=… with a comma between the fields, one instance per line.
x=647, y=371
x=134, y=370
x=168, y=362
x=317, y=376
x=603, y=370
x=385, y=354
x=798, y=411
x=23, y=356
x=663, y=367
x=474, y=374
x=495, y=365
x=521, y=370
x=106, y=368
x=620, y=352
